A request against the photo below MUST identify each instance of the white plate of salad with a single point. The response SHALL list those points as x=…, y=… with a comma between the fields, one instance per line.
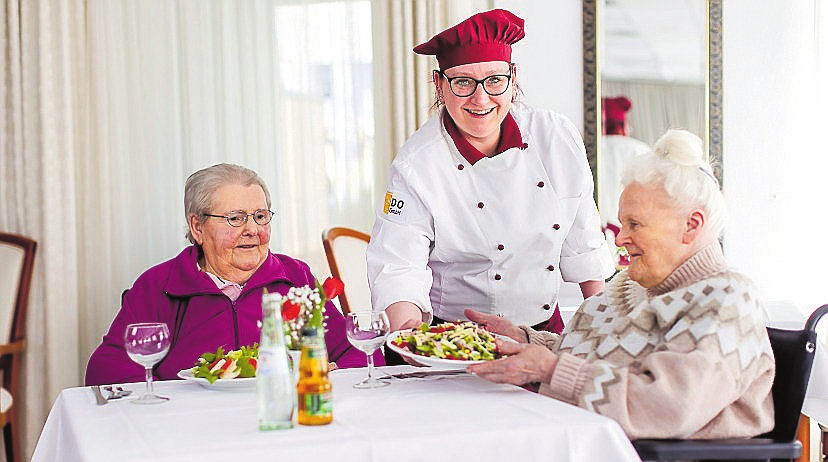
x=220, y=384
x=445, y=346
x=233, y=370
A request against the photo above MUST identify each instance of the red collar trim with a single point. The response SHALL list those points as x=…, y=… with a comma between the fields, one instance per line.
x=510, y=137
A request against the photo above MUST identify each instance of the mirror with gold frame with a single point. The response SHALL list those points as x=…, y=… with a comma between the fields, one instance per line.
x=596, y=13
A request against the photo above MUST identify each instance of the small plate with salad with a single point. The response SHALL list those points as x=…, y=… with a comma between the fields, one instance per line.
x=445, y=346
x=233, y=370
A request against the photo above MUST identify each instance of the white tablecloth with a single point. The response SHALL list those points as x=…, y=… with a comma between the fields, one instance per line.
x=456, y=418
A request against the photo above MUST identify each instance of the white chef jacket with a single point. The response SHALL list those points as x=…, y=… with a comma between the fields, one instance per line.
x=497, y=236
x=616, y=151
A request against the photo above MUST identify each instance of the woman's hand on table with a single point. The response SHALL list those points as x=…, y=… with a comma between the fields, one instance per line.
x=525, y=364
x=496, y=325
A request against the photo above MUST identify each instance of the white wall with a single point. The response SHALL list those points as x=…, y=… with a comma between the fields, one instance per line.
x=549, y=60
x=775, y=164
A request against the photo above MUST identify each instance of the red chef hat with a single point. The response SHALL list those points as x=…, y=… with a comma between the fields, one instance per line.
x=486, y=36
x=614, y=112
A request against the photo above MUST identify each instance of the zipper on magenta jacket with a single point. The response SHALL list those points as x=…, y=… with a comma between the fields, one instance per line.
x=235, y=325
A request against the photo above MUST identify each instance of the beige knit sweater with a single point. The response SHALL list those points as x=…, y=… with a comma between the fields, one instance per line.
x=689, y=358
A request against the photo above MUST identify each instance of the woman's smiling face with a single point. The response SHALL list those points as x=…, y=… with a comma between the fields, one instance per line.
x=233, y=253
x=478, y=116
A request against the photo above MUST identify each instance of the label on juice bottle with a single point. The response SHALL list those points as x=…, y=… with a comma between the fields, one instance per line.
x=318, y=404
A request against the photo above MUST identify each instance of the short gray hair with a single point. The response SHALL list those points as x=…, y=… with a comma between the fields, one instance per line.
x=679, y=164
x=200, y=186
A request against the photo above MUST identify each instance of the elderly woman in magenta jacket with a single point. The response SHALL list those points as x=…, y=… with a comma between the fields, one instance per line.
x=210, y=294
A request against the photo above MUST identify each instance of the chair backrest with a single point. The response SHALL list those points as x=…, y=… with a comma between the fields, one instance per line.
x=17, y=254
x=793, y=351
x=345, y=250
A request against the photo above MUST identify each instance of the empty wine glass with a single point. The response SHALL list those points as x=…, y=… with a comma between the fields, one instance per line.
x=366, y=331
x=146, y=343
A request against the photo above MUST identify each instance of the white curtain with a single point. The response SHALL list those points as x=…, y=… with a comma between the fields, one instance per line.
x=281, y=87
x=41, y=91
x=659, y=106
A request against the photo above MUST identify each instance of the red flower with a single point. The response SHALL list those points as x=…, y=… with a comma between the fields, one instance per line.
x=332, y=287
x=290, y=310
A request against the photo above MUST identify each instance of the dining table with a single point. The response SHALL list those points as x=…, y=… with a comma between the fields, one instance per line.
x=431, y=417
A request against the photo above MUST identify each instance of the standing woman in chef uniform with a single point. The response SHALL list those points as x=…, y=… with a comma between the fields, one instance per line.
x=489, y=205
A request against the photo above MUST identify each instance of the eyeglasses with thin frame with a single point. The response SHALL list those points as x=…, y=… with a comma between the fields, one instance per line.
x=239, y=219
x=494, y=85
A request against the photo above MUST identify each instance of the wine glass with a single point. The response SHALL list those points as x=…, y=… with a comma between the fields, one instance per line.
x=146, y=343
x=366, y=331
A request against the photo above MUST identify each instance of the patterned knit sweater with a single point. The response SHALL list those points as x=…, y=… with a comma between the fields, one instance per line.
x=689, y=358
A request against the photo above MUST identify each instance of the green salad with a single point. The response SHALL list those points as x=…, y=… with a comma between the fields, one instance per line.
x=241, y=363
x=460, y=341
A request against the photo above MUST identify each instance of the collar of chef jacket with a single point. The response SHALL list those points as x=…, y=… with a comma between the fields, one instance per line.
x=510, y=137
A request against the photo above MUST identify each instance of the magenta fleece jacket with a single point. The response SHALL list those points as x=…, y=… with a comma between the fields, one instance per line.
x=201, y=318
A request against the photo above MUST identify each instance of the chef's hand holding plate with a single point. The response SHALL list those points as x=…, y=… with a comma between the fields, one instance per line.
x=405, y=315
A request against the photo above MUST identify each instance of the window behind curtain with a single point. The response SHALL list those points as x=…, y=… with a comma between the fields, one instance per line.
x=325, y=71
x=282, y=87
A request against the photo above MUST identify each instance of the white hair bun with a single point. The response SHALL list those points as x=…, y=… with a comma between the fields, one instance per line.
x=681, y=147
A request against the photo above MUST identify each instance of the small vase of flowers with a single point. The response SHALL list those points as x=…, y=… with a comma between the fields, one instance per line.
x=304, y=307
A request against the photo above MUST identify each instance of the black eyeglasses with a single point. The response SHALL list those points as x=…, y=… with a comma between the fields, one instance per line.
x=494, y=85
x=238, y=219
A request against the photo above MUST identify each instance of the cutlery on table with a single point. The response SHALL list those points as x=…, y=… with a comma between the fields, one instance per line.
x=424, y=374
x=117, y=392
x=99, y=397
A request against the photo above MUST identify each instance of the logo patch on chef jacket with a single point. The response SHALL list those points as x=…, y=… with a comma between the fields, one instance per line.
x=393, y=205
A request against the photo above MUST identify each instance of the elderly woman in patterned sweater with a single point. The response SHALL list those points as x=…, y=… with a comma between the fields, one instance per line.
x=675, y=346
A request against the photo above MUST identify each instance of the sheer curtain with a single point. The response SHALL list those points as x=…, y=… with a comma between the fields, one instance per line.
x=659, y=106
x=41, y=91
x=284, y=88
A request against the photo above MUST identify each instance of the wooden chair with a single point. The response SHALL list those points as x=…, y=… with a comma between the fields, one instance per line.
x=345, y=250
x=794, y=352
x=17, y=254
